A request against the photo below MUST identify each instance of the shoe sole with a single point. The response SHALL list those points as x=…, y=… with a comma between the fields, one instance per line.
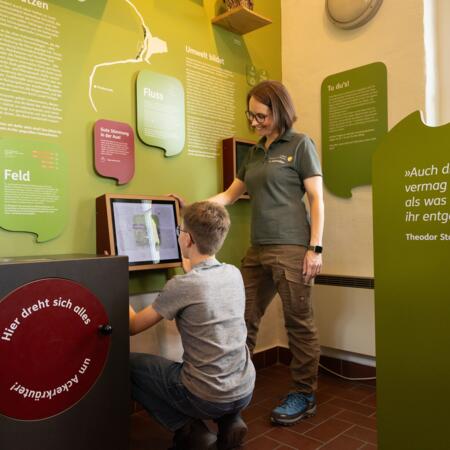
x=288, y=422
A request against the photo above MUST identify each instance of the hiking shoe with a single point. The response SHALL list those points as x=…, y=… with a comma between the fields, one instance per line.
x=232, y=430
x=295, y=406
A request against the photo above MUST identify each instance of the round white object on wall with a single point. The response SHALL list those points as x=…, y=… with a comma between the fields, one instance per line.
x=350, y=14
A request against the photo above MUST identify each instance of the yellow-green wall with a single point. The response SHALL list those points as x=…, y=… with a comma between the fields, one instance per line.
x=112, y=32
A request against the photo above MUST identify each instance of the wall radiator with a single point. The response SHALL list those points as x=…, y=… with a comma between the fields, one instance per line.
x=344, y=311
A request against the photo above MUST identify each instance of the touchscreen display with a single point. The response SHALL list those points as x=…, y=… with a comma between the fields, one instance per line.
x=145, y=230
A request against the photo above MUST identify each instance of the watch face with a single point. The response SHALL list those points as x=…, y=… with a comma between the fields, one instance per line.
x=317, y=249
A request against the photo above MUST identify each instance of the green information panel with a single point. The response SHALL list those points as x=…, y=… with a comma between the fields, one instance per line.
x=412, y=289
x=160, y=111
x=33, y=187
x=354, y=118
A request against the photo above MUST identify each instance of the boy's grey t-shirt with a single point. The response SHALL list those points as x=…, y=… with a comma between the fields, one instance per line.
x=208, y=304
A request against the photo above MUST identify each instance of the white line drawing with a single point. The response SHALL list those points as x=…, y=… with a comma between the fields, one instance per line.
x=150, y=46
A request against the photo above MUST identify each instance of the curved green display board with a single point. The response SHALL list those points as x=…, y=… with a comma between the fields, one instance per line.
x=160, y=111
x=33, y=187
x=412, y=290
x=354, y=119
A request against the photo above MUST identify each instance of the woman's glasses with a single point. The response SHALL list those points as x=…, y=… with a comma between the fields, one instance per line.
x=259, y=117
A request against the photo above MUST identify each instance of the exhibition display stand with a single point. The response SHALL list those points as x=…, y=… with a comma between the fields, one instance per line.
x=64, y=347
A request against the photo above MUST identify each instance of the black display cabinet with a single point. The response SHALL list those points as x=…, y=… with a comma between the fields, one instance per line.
x=64, y=351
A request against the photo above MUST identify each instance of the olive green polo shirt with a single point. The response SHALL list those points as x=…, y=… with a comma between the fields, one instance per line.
x=274, y=181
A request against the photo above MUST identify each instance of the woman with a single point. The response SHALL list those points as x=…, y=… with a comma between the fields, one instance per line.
x=286, y=246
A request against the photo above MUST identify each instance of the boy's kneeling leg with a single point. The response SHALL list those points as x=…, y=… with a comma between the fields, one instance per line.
x=194, y=435
x=232, y=430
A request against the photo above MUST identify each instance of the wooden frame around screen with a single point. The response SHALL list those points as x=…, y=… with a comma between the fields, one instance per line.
x=229, y=157
x=105, y=231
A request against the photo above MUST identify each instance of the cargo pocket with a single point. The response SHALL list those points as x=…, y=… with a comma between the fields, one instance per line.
x=299, y=293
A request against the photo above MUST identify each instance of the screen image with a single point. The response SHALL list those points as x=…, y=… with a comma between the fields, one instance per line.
x=145, y=230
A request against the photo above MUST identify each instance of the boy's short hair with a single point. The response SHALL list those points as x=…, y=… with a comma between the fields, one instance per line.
x=208, y=223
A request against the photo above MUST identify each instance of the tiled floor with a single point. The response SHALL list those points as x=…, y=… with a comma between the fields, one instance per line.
x=345, y=420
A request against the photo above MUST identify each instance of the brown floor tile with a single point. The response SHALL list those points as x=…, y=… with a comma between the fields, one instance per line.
x=265, y=382
x=258, y=427
x=352, y=406
x=302, y=426
x=371, y=400
x=323, y=396
x=328, y=430
x=261, y=443
x=358, y=419
x=253, y=412
x=358, y=393
x=278, y=370
x=364, y=434
x=270, y=404
x=347, y=393
x=324, y=412
x=331, y=380
x=345, y=419
x=261, y=394
x=343, y=443
x=288, y=437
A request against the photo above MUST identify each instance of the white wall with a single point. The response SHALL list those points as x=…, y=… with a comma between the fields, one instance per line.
x=312, y=49
x=438, y=69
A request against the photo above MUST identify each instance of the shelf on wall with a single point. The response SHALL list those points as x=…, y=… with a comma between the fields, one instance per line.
x=241, y=20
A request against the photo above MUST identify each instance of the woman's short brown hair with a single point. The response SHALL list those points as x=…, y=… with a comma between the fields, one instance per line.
x=274, y=95
x=208, y=223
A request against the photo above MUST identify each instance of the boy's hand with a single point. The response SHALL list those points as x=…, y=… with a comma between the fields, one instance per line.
x=179, y=199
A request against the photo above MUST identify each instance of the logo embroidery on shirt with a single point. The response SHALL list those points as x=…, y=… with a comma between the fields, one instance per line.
x=281, y=159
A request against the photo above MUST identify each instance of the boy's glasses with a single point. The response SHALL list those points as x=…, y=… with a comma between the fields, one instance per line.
x=259, y=117
x=180, y=230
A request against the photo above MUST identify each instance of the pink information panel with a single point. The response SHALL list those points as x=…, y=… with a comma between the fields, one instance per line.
x=114, y=150
x=53, y=347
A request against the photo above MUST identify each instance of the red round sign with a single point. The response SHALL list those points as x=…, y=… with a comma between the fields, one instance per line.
x=51, y=347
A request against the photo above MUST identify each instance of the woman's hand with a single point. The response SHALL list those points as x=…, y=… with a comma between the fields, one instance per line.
x=228, y=197
x=312, y=265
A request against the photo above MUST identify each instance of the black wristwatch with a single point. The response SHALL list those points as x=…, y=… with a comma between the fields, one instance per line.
x=315, y=248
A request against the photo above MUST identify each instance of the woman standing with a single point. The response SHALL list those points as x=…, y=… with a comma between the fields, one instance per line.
x=286, y=244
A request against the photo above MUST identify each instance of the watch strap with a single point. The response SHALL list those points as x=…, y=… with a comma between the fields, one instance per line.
x=315, y=248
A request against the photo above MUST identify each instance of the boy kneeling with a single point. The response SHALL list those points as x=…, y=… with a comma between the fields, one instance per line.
x=216, y=378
